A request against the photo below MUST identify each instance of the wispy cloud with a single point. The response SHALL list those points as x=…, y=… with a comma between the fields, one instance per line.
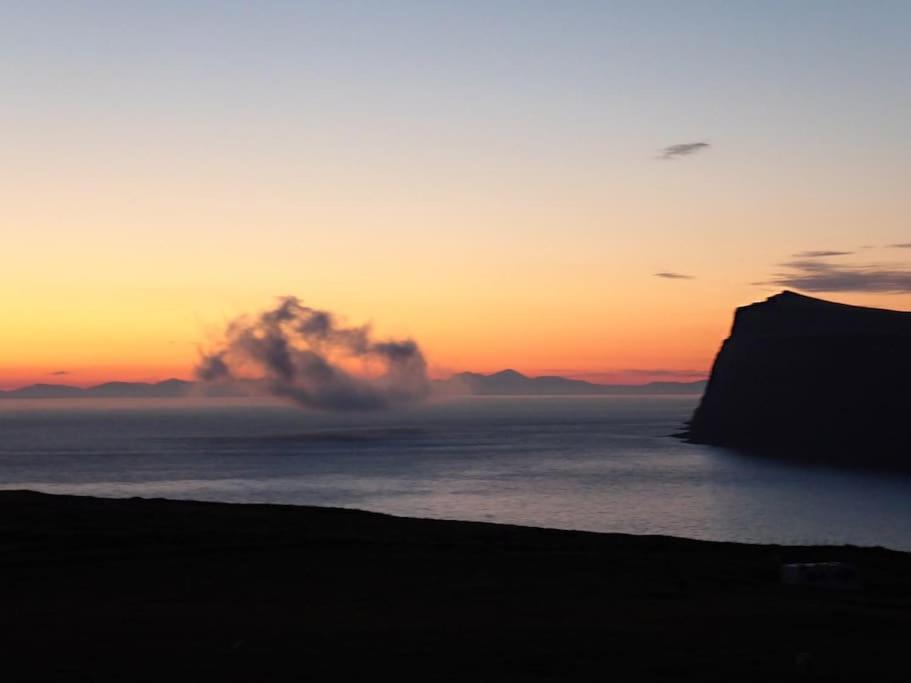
x=674, y=276
x=902, y=245
x=59, y=373
x=821, y=276
x=682, y=150
x=822, y=253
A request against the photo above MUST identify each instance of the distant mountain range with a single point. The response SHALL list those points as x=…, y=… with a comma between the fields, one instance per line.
x=505, y=383
x=170, y=388
x=513, y=383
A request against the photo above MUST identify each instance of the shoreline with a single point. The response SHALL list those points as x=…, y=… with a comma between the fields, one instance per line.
x=784, y=545
x=144, y=589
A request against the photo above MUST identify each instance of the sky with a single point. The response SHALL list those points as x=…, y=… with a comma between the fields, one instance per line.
x=497, y=179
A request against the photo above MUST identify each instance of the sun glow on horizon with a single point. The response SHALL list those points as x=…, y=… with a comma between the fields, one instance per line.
x=495, y=184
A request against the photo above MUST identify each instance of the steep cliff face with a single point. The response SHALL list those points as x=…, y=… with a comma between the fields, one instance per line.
x=803, y=376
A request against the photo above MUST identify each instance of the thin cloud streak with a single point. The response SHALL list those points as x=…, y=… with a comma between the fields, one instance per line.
x=674, y=276
x=821, y=276
x=822, y=253
x=682, y=150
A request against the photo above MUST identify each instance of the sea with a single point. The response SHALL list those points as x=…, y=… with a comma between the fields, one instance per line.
x=606, y=464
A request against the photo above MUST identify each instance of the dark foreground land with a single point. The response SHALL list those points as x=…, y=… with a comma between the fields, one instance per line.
x=128, y=590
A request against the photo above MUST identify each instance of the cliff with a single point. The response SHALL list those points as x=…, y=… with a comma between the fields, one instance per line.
x=805, y=377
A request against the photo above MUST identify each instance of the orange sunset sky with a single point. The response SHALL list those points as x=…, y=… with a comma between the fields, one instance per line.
x=481, y=177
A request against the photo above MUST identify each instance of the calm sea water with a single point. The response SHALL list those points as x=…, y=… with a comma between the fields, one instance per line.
x=601, y=464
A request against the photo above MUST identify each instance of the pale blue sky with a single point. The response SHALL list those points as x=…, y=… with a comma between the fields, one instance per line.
x=621, y=75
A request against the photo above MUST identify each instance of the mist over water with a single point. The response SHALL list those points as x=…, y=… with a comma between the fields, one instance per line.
x=594, y=463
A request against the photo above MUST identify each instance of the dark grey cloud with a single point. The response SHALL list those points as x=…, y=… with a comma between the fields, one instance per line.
x=821, y=276
x=682, y=150
x=902, y=245
x=674, y=276
x=306, y=356
x=822, y=253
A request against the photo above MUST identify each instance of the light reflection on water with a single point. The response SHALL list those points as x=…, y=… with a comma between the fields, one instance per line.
x=595, y=463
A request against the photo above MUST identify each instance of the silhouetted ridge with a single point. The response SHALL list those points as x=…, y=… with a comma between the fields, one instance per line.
x=169, y=388
x=511, y=382
x=791, y=314
x=803, y=376
x=503, y=383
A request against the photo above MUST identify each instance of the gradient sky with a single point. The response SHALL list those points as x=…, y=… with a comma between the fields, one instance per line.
x=479, y=175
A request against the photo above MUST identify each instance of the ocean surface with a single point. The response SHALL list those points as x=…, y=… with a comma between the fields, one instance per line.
x=594, y=463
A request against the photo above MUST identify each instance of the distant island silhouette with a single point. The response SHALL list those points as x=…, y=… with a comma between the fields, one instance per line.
x=169, y=388
x=513, y=383
x=804, y=377
x=504, y=383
